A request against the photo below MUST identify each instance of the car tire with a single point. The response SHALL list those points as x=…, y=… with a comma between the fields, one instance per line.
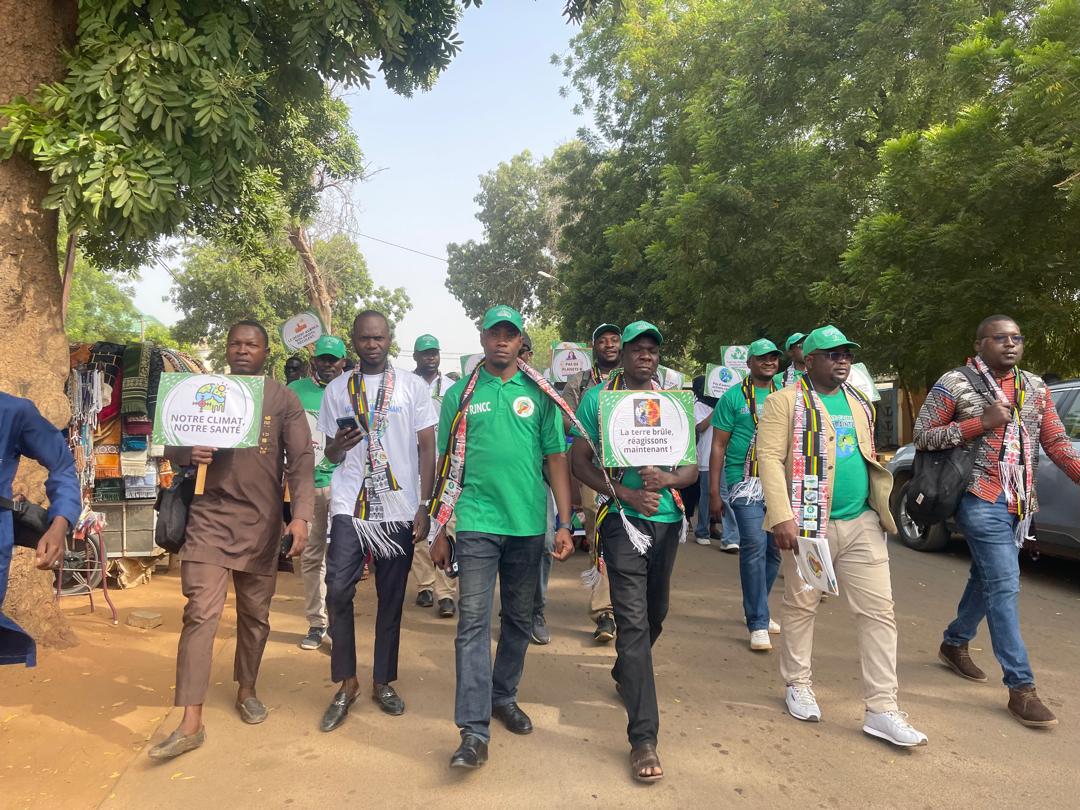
x=933, y=538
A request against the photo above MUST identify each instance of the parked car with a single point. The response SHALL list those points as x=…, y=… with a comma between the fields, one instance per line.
x=1057, y=523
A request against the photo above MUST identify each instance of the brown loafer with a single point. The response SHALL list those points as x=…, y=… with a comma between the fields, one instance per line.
x=176, y=744
x=1025, y=706
x=252, y=710
x=958, y=659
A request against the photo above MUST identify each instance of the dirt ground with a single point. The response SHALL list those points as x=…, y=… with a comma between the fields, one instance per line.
x=73, y=731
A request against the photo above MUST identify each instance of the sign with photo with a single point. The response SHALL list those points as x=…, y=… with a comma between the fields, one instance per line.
x=569, y=358
x=301, y=330
x=208, y=410
x=719, y=379
x=470, y=362
x=647, y=428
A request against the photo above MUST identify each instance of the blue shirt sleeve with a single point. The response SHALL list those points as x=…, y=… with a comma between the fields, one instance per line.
x=39, y=440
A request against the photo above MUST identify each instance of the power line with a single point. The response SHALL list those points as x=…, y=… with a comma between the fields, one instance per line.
x=442, y=259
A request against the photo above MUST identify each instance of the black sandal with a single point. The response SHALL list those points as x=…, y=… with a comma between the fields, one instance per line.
x=642, y=758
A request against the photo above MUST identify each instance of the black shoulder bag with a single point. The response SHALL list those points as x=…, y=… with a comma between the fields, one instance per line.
x=172, y=507
x=941, y=477
x=30, y=521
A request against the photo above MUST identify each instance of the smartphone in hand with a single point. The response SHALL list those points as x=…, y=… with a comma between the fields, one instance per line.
x=347, y=423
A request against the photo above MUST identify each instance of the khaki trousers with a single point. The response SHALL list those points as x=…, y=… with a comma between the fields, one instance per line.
x=861, y=560
x=600, y=596
x=430, y=578
x=205, y=586
x=313, y=562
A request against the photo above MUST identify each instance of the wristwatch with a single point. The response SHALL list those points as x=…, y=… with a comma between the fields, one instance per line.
x=560, y=525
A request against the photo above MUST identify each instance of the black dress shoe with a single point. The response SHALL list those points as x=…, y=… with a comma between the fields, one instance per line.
x=513, y=718
x=447, y=608
x=337, y=711
x=425, y=599
x=472, y=753
x=389, y=700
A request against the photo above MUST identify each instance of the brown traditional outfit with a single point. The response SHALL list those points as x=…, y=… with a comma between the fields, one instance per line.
x=235, y=526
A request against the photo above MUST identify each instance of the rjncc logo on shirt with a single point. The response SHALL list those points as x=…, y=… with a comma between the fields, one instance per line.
x=524, y=407
x=479, y=407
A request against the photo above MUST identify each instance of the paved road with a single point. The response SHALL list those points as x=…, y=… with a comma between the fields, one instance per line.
x=725, y=738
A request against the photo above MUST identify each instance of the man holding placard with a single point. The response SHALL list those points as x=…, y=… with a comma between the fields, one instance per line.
x=235, y=527
x=383, y=424
x=734, y=455
x=639, y=532
x=607, y=349
x=328, y=362
x=827, y=500
x=432, y=584
x=794, y=348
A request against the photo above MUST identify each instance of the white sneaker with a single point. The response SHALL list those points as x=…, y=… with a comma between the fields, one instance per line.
x=729, y=546
x=774, y=627
x=802, y=704
x=894, y=727
x=759, y=640
x=702, y=541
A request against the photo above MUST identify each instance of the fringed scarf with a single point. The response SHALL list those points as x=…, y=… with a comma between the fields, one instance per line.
x=810, y=494
x=1015, y=466
x=750, y=485
x=380, y=493
x=136, y=378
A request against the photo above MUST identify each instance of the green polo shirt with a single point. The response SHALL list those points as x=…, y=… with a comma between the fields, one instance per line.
x=310, y=394
x=511, y=427
x=588, y=413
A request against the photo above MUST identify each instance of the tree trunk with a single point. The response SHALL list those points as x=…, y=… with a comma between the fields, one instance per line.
x=318, y=294
x=35, y=363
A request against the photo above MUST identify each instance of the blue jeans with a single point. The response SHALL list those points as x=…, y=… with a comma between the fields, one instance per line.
x=516, y=561
x=540, y=600
x=993, y=588
x=730, y=529
x=759, y=561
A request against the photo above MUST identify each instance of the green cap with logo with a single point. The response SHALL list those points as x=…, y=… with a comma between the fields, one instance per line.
x=793, y=339
x=762, y=346
x=603, y=329
x=826, y=337
x=426, y=342
x=501, y=313
x=638, y=328
x=328, y=344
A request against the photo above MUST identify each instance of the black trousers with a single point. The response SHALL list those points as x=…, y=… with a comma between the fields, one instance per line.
x=640, y=588
x=345, y=557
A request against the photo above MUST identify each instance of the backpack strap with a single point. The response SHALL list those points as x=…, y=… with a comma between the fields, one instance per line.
x=976, y=380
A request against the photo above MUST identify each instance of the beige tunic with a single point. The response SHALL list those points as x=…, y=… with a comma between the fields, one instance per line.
x=237, y=522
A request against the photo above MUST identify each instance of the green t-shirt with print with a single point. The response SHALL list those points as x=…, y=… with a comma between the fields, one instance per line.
x=732, y=414
x=511, y=426
x=588, y=413
x=310, y=394
x=851, y=489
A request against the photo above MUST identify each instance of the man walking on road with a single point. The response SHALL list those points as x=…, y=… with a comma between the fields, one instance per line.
x=328, y=362
x=822, y=480
x=432, y=583
x=502, y=424
x=235, y=527
x=1002, y=414
x=607, y=349
x=735, y=456
x=638, y=551
x=794, y=348
x=383, y=423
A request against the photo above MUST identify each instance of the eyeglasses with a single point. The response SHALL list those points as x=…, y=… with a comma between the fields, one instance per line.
x=837, y=356
x=1001, y=339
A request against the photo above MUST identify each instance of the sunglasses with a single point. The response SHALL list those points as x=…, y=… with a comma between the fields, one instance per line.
x=1001, y=339
x=837, y=356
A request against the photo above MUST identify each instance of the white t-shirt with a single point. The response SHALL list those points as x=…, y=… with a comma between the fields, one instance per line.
x=411, y=410
x=704, y=442
x=438, y=387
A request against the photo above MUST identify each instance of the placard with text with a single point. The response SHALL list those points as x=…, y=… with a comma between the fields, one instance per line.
x=647, y=428
x=208, y=410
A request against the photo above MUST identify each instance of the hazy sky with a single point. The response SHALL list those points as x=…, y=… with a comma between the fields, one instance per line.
x=498, y=97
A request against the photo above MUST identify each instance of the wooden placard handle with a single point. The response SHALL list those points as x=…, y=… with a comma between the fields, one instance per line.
x=200, y=480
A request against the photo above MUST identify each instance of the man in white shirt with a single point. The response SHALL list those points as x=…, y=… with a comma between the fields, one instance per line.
x=432, y=583
x=703, y=411
x=382, y=421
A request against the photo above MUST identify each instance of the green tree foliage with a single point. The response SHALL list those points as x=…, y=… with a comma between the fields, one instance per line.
x=217, y=286
x=514, y=264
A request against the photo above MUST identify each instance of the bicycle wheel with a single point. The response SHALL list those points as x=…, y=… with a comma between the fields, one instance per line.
x=82, y=565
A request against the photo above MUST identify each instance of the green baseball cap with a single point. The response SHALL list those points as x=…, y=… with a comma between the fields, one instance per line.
x=604, y=328
x=638, y=328
x=501, y=313
x=762, y=346
x=794, y=338
x=328, y=344
x=425, y=342
x=826, y=337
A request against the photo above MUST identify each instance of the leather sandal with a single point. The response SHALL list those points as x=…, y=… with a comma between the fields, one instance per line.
x=642, y=758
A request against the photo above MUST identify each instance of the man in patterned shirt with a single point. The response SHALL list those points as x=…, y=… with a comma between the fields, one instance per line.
x=1005, y=426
